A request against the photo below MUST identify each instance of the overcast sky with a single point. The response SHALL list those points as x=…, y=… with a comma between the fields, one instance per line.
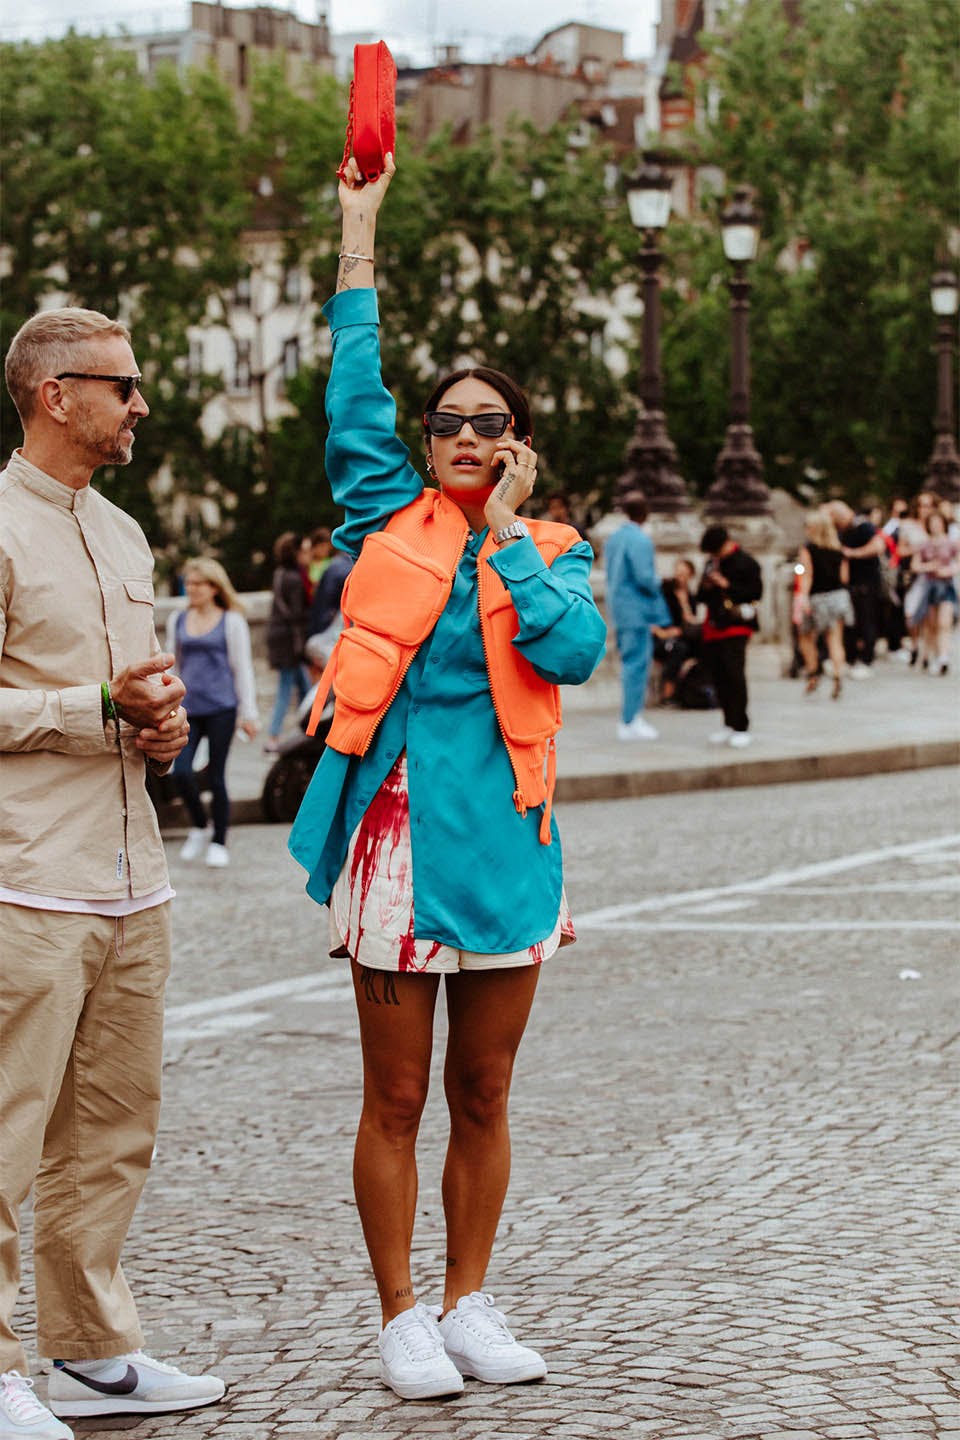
x=483, y=27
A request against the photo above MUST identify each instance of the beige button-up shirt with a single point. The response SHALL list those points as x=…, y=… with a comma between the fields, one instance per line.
x=76, y=608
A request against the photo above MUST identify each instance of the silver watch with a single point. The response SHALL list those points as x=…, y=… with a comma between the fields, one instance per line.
x=516, y=530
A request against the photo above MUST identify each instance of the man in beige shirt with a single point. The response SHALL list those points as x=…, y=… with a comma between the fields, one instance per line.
x=87, y=701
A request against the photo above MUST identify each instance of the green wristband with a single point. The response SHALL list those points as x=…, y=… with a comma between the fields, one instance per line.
x=107, y=706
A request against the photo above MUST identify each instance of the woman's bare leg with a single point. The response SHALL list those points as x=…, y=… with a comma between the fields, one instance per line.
x=808, y=649
x=487, y=1012
x=944, y=630
x=396, y=1036
x=837, y=654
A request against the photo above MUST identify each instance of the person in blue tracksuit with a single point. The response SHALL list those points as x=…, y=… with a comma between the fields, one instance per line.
x=635, y=604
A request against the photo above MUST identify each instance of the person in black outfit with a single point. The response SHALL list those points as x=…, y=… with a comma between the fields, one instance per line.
x=325, y=605
x=862, y=545
x=677, y=645
x=286, y=631
x=730, y=587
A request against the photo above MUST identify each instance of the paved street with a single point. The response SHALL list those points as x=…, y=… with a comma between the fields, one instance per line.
x=733, y=1211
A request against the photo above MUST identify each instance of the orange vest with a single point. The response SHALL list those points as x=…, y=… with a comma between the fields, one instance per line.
x=393, y=598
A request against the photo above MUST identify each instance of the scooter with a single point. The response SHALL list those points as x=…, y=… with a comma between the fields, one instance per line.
x=290, y=774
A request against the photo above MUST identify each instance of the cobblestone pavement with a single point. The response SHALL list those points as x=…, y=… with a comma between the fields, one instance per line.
x=733, y=1209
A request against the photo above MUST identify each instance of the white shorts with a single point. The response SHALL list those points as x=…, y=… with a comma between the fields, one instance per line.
x=371, y=908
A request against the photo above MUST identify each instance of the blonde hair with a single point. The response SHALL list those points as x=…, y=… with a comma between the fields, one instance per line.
x=822, y=531
x=213, y=572
x=48, y=344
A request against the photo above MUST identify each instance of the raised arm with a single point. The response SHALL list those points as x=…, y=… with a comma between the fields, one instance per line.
x=368, y=466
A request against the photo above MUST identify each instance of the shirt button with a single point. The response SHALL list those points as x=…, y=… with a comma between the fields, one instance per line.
x=390, y=754
x=416, y=709
x=434, y=660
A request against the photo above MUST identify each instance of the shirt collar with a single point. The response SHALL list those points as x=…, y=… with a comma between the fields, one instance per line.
x=41, y=483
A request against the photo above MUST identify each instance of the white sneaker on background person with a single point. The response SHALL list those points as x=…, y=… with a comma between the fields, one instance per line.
x=637, y=729
x=721, y=737
x=195, y=843
x=217, y=855
x=480, y=1344
x=859, y=671
x=740, y=739
x=22, y=1416
x=413, y=1361
x=133, y=1384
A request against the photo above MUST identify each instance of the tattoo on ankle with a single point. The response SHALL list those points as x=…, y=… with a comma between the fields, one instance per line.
x=403, y=1294
x=369, y=978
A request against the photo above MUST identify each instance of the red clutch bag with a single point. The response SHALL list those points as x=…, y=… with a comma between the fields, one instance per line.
x=372, y=117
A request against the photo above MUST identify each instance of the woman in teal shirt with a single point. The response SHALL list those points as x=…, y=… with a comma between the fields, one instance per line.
x=428, y=811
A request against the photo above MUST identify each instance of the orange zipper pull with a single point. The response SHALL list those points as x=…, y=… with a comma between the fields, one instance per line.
x=520, y=804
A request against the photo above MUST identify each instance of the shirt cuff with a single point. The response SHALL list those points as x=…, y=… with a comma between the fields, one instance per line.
x=83, y=718
x=352, y=307
x=519, y=561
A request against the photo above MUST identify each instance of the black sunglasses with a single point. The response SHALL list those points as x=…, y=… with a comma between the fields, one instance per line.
x=491, y=424
x=126, y=384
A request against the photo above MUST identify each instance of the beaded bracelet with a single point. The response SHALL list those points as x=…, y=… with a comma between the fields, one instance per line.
x=107, y=705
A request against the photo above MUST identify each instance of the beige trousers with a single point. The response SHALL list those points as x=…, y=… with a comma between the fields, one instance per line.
x=81, y=1038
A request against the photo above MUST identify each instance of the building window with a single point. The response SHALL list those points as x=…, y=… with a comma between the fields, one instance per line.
x=242, y=66
x=241, y=366
x=291, y=359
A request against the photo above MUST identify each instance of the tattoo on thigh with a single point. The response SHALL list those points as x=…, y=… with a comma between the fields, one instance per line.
x=369, y=979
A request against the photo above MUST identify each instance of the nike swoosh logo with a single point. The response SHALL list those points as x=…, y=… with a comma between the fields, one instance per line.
x=126, y=1386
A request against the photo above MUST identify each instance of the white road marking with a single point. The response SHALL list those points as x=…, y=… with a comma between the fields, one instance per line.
x=320, y=985
x=775, y=880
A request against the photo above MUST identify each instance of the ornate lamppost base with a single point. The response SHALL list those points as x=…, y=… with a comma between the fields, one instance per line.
x=652, y=466
x=739, y=488
x=943, y=470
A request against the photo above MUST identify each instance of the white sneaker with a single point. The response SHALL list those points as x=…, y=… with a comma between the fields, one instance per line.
x=413, y=1361
x=132, y=1384
x=195, y=844
x=479, y=1344
x=859, y=671
x=740, y=739
x=217, y=855
x=637, y=729
x=721, y=737
x=22, y=1415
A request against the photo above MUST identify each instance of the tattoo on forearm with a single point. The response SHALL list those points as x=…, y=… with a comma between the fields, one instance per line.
x=369, y=979
x=347, y=268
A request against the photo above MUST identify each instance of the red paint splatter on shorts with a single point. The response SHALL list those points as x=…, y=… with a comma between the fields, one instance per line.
x=407, y=957
x=385, y=820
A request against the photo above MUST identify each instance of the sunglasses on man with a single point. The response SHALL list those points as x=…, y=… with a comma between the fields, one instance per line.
x=126, y=384
x=491, y=424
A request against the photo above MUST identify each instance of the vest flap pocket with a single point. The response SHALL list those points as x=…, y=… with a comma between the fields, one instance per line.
x=395, y=590
x=139, y=590
x=367, y=669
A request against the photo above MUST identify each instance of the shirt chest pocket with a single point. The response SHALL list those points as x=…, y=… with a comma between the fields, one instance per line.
x=134, y=619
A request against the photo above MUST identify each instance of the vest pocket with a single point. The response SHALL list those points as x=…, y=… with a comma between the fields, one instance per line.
x=367, y=669
x=396, y=591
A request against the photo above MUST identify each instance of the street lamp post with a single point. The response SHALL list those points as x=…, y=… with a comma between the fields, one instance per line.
x=943, y=469
x=651, y=459
x=739, y=488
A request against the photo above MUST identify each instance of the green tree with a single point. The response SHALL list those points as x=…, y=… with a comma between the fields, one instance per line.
x=846, y=124
x=127, y=197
